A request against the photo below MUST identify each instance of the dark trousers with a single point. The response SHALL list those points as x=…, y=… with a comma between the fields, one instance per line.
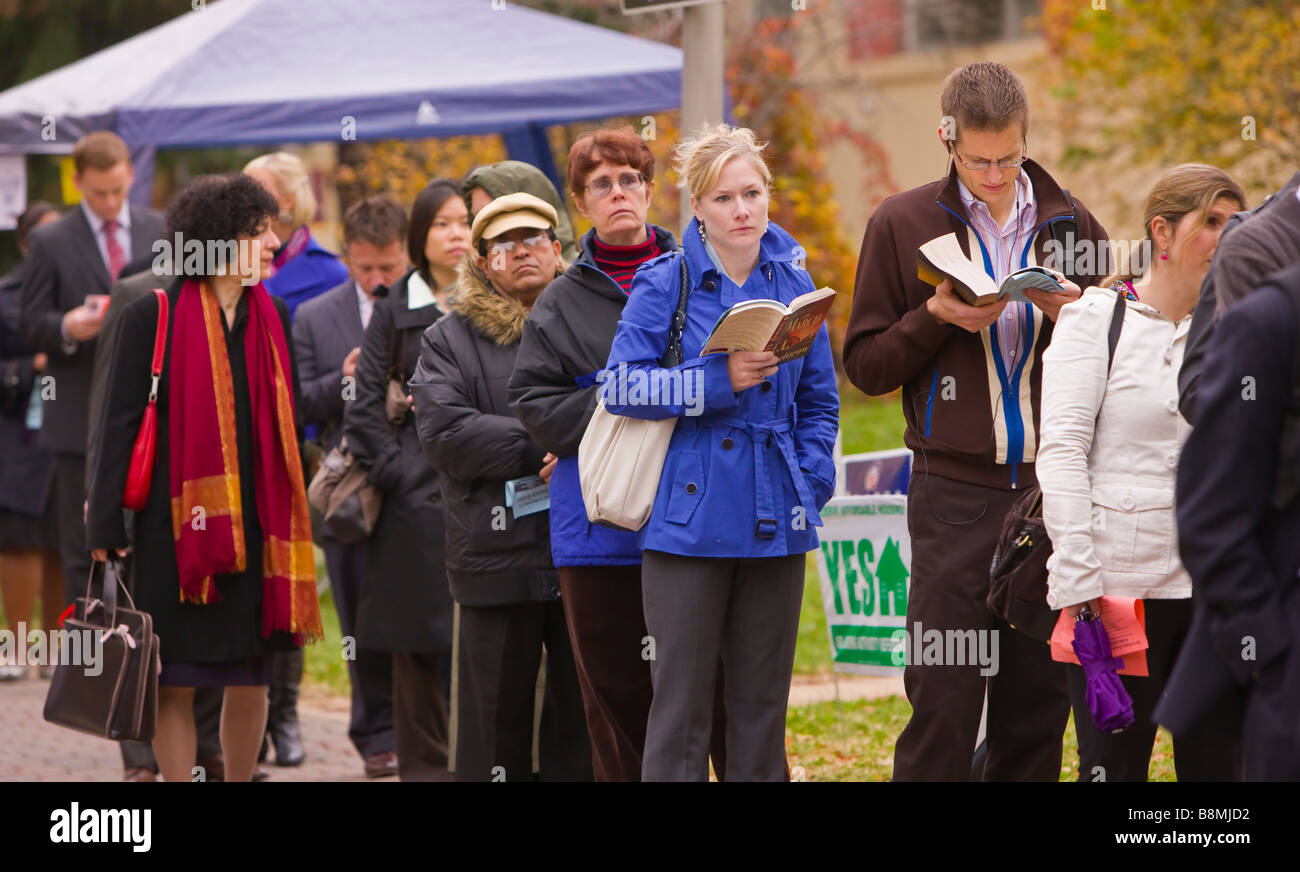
x=744, y=611
x=420, y=715
x=602, y=605
x=70, y=502
x=370, y=672
x=1205, y=755
x=954, y=528
x=498, y=658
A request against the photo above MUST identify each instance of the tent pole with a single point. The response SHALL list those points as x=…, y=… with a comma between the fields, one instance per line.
x=530, y=145
x=143, y=159
x=702, y=75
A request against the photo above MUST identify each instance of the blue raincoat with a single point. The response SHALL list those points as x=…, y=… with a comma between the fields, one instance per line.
x=748, y=473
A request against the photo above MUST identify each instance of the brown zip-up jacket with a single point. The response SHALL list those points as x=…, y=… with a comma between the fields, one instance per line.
x=966, y=419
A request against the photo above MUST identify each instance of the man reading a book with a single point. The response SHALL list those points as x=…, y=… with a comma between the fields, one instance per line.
x=970, y=377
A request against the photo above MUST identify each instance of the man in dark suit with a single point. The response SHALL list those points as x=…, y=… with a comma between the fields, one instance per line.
x=1239, y=537
x=327, y=332
x=71, y=265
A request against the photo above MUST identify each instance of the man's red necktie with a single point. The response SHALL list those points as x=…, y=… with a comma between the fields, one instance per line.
x=116, y=257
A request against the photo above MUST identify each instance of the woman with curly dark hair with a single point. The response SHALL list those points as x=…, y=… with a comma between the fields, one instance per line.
x=222, y=549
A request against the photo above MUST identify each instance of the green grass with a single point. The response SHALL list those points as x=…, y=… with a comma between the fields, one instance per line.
x=868, y=424
x=323, y=663
x=854, y=741
x=812, y=651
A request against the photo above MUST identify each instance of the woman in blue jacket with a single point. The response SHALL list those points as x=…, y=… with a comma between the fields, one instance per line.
x=748, y=469
x=303, y=268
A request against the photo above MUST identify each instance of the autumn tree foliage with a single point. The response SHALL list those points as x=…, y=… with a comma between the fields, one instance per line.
x=1161, y=82
x=771, y=95
x=402, y=167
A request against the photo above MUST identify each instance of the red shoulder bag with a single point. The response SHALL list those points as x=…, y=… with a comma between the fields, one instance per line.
x=140, y=476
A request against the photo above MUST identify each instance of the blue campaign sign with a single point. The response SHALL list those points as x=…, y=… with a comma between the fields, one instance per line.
x=877, y=472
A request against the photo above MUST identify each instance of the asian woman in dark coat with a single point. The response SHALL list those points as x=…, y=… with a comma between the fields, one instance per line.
x=227, y=482
x=405, y=604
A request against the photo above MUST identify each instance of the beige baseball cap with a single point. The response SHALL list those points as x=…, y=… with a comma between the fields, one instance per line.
x=509, y=212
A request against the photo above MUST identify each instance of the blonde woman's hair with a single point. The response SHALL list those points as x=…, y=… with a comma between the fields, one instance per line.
x=700, y=157
x=291, y=178
x=1190, y=187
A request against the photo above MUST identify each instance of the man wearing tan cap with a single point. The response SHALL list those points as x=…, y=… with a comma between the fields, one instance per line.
x=499, y=565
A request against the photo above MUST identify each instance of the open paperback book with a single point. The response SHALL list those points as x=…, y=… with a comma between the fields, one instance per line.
x=942, y=258
x=769, y=325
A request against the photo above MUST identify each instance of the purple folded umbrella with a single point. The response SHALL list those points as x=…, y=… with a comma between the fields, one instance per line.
x=1109, y=702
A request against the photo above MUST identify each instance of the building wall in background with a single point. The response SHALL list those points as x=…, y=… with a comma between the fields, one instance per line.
x=880, y=65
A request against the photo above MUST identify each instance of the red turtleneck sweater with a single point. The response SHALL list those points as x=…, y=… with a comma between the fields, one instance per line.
x=619, y=262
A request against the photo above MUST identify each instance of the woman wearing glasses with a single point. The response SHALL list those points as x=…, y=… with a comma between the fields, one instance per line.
x=499, y=567
x=748, y=469
x=565, y=343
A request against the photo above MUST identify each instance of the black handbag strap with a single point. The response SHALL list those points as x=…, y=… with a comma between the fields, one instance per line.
x=1035, y=509
x=1116, y=325
x=673, y=355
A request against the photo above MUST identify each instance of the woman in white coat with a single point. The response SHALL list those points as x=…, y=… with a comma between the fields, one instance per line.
x=1107, y=463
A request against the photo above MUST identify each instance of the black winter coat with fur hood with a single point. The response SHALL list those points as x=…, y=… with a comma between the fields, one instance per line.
x=472, y=438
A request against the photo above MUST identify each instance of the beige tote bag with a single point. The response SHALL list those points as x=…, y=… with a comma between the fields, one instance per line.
x=621, y=459
x=620, y=462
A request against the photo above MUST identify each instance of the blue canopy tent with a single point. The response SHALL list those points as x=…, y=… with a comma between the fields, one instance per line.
x=237, y=72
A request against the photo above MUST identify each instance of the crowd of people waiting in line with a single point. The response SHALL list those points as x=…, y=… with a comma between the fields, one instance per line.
x=461, y=347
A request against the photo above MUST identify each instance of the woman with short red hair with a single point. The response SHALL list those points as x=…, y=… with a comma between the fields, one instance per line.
x=565, y=342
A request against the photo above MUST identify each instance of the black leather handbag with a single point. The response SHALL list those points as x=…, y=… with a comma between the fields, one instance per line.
x=1018, y=577
x=113, y=691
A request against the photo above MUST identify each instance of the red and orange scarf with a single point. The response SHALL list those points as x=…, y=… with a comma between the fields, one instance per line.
x=207, y=519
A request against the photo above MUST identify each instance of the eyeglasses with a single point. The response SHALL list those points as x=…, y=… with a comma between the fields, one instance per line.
x=508, y=246
x=981, y=165
x=603, y=185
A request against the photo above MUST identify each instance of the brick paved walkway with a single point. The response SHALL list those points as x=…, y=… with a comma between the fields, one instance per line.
x=33, y=750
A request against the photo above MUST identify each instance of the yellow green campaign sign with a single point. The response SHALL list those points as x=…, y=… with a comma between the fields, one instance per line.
x=864, y=561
